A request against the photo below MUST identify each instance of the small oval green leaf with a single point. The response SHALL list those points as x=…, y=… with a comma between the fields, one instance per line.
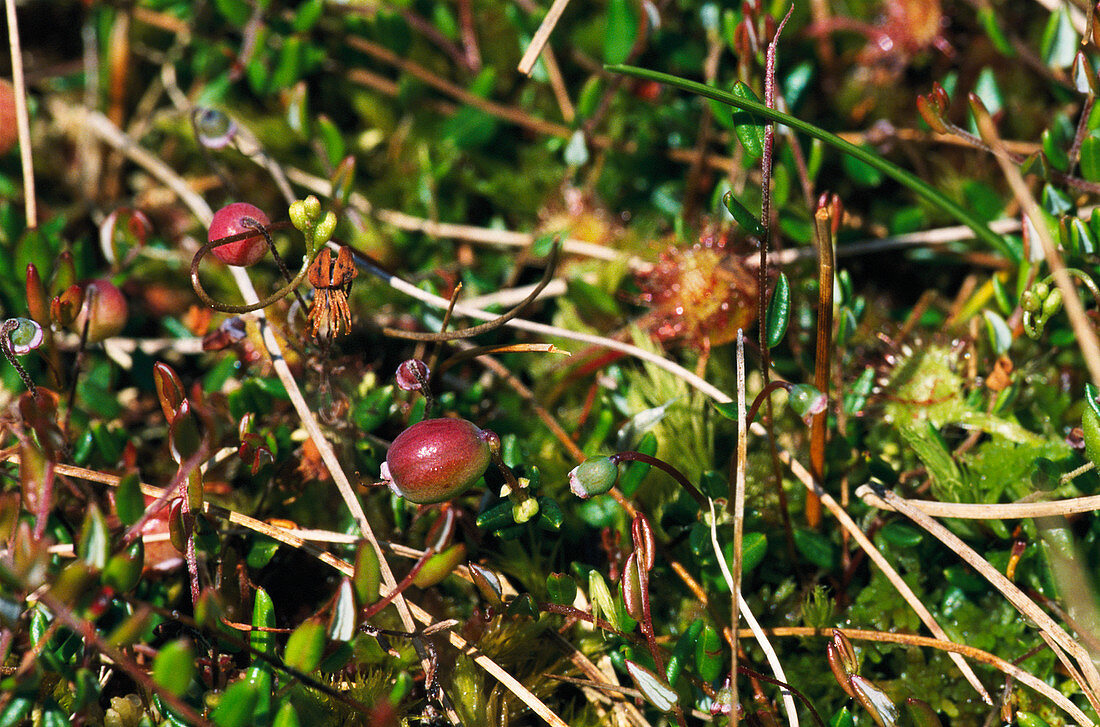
x=237, y=705
x=779, y=311
x=708, y=654
x=743, y=216
x=749, y=130
x=815, y=548
x=659, y=694
x=305, y=646
x=174, y=666
x=129, y=502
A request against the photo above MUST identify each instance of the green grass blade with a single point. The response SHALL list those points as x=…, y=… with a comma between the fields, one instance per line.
x=907, y=179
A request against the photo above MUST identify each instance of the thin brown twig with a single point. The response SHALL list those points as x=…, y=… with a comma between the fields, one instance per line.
x=992, y=511
x=950, y=647
x=804, y=476
x=1091, y=682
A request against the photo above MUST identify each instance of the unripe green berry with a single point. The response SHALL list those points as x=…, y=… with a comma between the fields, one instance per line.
x=437, y=459
x=594, y=476
x=1041, y=290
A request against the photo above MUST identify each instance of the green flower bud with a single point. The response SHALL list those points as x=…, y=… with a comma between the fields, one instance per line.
x=298, y=216
x=806, y=400
x=1052, y=304
x=312, y=207
x=325, y=228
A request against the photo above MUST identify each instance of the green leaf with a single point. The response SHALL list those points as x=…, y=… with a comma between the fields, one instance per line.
x=174, y=666
x=861, y=173
x=305, y=646
x=708, y=654
x=342, y=625
x=754, y=546
x=368, y=574
x=903, y=177
x=95, y=543
x=237, y=705
x=999, y=334
x=469, y=128
x=17, y=709
x=903, y=536
x=1090, y=158
x=656, y=692
x=1059, y=45
x=236, y=12
x=816, y=548
x=779, y=311
x=924, y=716
x=1056, y=153
x=286, y=716
x=743, y=216
x=684, y=651
x=842, y=718
x=308, y=14
x=263, y=616
x=129, y=502
x=749, y=130
x=561, y=588
x=1091, y=394
x=987, y=16
x=622, y=31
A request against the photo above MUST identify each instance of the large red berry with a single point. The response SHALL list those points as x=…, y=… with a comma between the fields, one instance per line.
x=108, y=309
x=230, y=220
x=9, y=133
x=436, y=459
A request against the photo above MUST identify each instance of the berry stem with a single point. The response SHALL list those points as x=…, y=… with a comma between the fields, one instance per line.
x=631, y=456
x=6, y=330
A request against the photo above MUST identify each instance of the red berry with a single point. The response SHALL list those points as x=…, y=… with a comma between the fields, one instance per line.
x=9, y=134
x=230, y=220
x=436, y=459
x=108, y=310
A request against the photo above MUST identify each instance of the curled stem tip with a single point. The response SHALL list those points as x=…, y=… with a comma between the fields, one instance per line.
x=263, y=303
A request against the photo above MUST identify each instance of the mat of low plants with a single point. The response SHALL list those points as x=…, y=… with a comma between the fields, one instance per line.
x=457, y=362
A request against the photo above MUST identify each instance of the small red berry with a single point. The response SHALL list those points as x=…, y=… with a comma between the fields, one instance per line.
x=436, y=459
x=230, y=220
x=108, y=310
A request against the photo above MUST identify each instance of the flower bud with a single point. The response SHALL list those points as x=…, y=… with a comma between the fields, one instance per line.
x=215, y=129
x=25, y=336
x=412, y=375
x=806, y=400
x=104, y=308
